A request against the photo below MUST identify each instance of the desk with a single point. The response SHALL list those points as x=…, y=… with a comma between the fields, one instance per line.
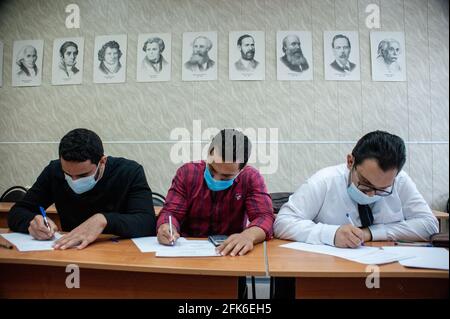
x=120, y=270
x=443, y=220
x=324, y=276
x=51, y=211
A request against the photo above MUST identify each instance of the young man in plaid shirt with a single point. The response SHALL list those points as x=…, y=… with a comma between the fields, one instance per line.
x=219, y=196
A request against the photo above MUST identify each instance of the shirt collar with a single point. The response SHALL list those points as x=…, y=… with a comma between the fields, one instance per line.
x=347, y=65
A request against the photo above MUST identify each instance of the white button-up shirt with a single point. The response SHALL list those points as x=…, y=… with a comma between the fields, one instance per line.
x=319, y=207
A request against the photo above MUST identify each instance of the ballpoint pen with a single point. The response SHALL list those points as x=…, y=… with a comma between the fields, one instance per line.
x=350, y=220
x=44, y=215
x=171, y=230
x=412, y=244
x=353, y=224
x=7, y=246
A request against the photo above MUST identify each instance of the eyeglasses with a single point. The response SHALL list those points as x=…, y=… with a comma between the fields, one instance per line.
x=370, y=189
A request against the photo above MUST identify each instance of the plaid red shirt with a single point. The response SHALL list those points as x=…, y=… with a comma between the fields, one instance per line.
x=201, y=212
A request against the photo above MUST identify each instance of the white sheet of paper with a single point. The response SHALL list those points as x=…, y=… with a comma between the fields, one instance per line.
x=424, y=257
x=25, y=242
x=188, y=248
x=379, y=257
x=150, y=244
x=363, y=254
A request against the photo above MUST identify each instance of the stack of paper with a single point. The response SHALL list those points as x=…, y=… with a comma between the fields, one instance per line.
x=362, y=254
x=25, y=242
x=182, y=247
x=423, y=257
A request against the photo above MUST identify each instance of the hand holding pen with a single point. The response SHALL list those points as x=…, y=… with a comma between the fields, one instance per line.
x=41, y=227
x=167, y=233
x=349, y=236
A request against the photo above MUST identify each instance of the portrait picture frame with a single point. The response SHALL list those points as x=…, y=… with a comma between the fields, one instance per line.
x=27, y=62
x=341, y=56
x=68, y=61
x=110, y=58
x=154, y=57
x=290, y=67
x=388, y=56
x=245, y=65
x=199, y=56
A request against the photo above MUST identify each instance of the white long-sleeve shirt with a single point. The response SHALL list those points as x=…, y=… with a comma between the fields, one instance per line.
x=319, y=207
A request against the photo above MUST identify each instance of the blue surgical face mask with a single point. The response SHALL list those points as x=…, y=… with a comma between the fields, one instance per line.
x=216, y=185
x=83, y=184
x=360, y=197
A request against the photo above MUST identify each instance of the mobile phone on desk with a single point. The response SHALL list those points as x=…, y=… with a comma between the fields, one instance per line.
x=217, y=240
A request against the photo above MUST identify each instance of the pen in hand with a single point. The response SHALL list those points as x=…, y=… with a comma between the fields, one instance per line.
x=44, y=215
x=350, y=220
x=353, y=224
x=171, y=230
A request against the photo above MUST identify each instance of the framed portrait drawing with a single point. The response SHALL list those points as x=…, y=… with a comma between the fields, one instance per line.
x=388, y=56
x=247, y=55
x=67, y=63
x=341, y=55
x=1, y=64
x=199, y=56
x=294, y=56
x=27, y=62
x=110, y=58
x=154, y=57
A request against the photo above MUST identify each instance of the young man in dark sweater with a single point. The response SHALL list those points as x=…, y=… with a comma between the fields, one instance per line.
x=93, y=194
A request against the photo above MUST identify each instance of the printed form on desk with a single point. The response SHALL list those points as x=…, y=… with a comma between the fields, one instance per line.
x=363, y=254
x=25, y=242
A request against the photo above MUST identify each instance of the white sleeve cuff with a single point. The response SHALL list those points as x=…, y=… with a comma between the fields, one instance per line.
x=328, y=233
x=378, y=232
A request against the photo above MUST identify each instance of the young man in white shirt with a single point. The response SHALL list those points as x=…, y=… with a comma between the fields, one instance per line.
x=381, y=200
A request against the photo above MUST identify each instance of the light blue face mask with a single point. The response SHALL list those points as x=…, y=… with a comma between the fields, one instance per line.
x=83, y=184
x=360, y=197
x=216, y=185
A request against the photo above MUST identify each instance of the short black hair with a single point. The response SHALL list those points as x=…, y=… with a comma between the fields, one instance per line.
x=340, y=36
x=228, y=140
x=80, y=145
x=111, y=45
x=242, y=37
x=387, y=149
x=65, y=45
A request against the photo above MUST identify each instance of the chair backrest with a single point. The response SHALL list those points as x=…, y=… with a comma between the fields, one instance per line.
x=158, y=199
x=13, y=194
x=278, y=199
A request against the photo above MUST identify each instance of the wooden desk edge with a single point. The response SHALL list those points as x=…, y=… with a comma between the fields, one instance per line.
x=383, y=274
x=163, y=269
x=144, y=269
